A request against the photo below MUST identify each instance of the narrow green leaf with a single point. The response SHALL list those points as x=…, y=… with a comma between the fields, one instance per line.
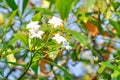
x=13, y=52
x=115, y=25
x=109, y=65
x=12, y=4
x=6, y=46
x=13, y=63
x=22, y=38
x=11, y=17
x=80, y=37
x=60, y=67
x=101, y=69
x=34, y=67
x=24, y=5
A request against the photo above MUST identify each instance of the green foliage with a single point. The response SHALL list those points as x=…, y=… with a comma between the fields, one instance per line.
x=64, y=7
x=12, y=4
x=50, y=41
x=80, y=37
x=115, y=25
x=36, y=17
x=34, y=67
x=24, y=5
x=22, y=38
x=14, y=13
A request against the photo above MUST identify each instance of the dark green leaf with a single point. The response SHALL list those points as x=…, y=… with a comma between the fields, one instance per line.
x=1, y=0
x=24, y=5
x=12, y=4
x=34, y=67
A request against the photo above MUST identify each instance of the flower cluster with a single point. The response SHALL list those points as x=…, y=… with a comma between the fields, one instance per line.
x=61, y=39
x=34, y=29
x=56, y=22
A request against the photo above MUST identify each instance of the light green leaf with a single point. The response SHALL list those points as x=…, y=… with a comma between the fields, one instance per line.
x=13, y=63
x=12, y=52
x=53, y=54
x=36, y=17
x=22, y=38
x=11, y=58
x=89, y=3
x=64, y=7
x=115, y=25
x=102, y=5
x=109, y=65
x=80, y=37
x=101, y=69
x=11, y=17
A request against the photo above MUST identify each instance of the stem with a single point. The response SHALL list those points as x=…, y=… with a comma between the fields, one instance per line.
x=29, y=64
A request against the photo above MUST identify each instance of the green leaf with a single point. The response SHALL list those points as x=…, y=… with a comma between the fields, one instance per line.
x=34, y=67
x=53, y=54
x=64, y=7
x=11, y=58
x=102, y=5
x=22, y=38
x=60, y=67
x=7, y=45
x=11, y=17
x=1, y=0
x=36, y=17
x=90, y=3
x=115, y=25
x=109, y=65
x=24, y=5
x=80, y=37
x=13, y=63
x=12, y=4
x=101, y=69
x=12, y=52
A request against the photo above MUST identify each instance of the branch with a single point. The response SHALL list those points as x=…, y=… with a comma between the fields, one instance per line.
x=51, y=72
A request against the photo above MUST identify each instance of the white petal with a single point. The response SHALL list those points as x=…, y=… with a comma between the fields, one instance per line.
x=55, y=21
x=59, y=38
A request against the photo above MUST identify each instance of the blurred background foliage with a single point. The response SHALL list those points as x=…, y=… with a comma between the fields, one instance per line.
x=95, y=29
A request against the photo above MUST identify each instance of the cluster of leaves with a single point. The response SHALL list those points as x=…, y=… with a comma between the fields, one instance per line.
x=94, y=18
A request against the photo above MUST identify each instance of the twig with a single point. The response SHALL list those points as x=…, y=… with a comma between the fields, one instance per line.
x=51, y=72
x=29, y=64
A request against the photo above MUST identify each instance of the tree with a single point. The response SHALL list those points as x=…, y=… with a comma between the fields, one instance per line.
x=51, y=39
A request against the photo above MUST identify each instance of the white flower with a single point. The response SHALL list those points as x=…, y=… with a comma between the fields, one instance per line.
x=66, y=45
x=59, y=38
x=37, y=34
x=34, y=30
x=33, y=25
x=55, y=22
